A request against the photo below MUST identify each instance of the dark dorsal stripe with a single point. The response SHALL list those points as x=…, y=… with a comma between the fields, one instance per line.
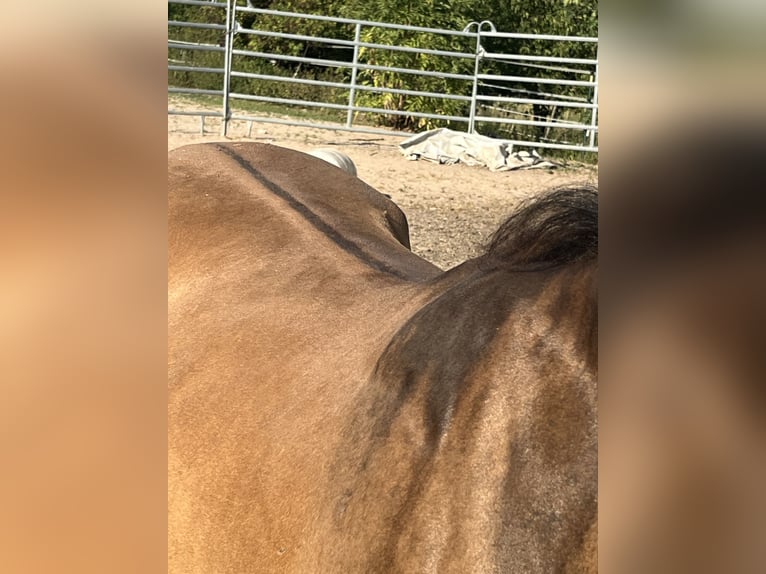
x=311, y=217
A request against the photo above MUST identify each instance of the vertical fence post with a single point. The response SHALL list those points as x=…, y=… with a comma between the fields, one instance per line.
x=352, y=91
x=475, y=87
x=594, y=110
x=477, y=60
x=231, y=22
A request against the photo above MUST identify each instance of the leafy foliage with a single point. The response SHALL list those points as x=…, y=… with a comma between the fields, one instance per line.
x=192, y=57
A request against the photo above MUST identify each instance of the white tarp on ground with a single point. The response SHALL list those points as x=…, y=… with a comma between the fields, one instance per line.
x=448, y=146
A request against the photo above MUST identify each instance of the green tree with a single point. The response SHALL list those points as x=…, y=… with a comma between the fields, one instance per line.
x=192, y=57
x=560, y=17
x=450, y=15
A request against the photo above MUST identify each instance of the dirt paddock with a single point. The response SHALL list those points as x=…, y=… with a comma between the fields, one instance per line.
x=451, y=209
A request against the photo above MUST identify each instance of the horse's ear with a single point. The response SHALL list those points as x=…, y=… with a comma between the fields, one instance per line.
x=397, y=223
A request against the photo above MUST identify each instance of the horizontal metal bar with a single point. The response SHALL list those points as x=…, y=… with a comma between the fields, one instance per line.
x=326, y=126
x=395, y=133
x=368, y=23
x=341, y=64
x=299, y=59
x=519, y=36
x=549, y=59
x=413, y=93
x=196, y=69
x=174, y=90
x=524, y=143
x=563, y=104
x=530, y=80
x=344, y=107
x=567, y=126
x=509, y=112
x=175, y=45
x=383, y=112
x=195, y=113
x=351, y=43
x=534, y=119
x=536, y=93
x=289, y=80
x=284, y=35
x=428, y=51
x=584, y=149
x=551, y=68
x=196, y=25
x=305, y=103
x=199, y=3
x=345, y=86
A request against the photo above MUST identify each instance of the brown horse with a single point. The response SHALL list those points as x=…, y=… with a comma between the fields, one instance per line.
x=338, y=404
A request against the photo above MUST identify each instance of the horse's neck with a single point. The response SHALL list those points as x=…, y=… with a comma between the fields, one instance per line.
x=464, y=438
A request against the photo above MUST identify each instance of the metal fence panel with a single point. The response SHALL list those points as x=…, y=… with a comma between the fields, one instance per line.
x=547, y=101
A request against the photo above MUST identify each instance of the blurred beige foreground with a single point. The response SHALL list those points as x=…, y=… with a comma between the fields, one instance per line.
x=82, y=291
x=682, y=441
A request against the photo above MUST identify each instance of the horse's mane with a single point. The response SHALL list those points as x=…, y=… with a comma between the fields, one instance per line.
x=558, y=228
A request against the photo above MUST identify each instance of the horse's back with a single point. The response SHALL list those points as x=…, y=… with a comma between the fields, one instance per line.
x=267, y=200
x=285, y=276
x=338, y=405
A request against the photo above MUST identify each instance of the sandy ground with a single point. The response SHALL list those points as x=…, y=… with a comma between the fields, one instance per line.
x=452, y=210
